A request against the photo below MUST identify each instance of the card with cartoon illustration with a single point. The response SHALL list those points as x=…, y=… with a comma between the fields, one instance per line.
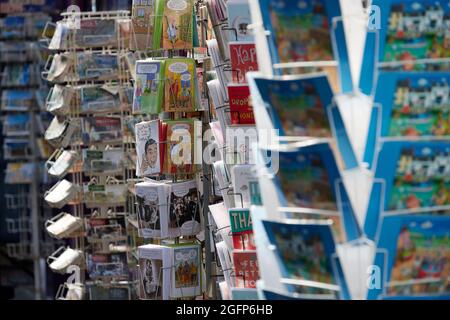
x=180, y=85
x=414, y=106
x=411, y=36
x=411, y=177
x=148, y=148
x=186, y=271
x=182, y=146
x=306, y=252
x=174, y=25
x=308, y=184
x=416, y=263
x=303, y=31
x=148, y=88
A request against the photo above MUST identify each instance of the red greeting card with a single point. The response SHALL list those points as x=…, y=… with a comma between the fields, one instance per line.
x=240, y=109
x=244, y=241
x=243, y=59
x=162, y=144
x=245, y=268
x=180, y=144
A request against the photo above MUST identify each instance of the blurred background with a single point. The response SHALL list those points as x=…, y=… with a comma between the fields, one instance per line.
x=24, y=273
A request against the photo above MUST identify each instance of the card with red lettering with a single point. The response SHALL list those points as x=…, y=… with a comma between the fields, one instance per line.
x=246, y=268
x=240, y=109
x=243, y=59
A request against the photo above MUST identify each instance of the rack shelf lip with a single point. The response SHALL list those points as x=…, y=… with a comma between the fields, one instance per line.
x=18, y=183
x=102, y=240
x=17, y=134
x=18, y=159
x=14, y=110
x=135, y=254
x=133, y=222
x=98, y=14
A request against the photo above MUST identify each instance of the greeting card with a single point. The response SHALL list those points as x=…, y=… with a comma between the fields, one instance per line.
x=415, y=105
x=411, y=176
x=180, y=85
x=103, y=162
x=240, y=109
x=414, y=257
x=176, y=19
x=182, y=146
x=107, y=228
x=96, y=99
x=107, y=265
x=102, y=130
x=95, y=33
x=305, y=31
x=186, y=271
x=142, y=19
x=155, y=272
x=308, y=178
x=184, y=213
x=412, y=36
x=242, y=229
x=238, y=19
x=95, y=66
x=149, y=86
x=300, y=106
x=243, y=59
x=243, y=179
x=152, y=209
x=111, y=195
x=306, y=253
x=150, y=154
x=246, y=268
x=17, y=100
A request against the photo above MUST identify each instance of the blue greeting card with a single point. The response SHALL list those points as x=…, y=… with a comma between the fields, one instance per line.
x=303, y=31
x=308, y=177
x=413, y=105
x=412, y=36
x=17, y=100
x=306, y=252
x=410, y=177
x=414, y=258
x=302, y=106
x=17, y=124
x=13, y=27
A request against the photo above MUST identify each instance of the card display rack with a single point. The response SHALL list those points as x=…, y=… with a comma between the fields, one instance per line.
x=100, y=243
x=203, y=175
x=24, y=151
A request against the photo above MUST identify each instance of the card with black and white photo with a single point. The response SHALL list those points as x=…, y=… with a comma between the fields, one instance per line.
x=184, y=213
x=152, y=209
